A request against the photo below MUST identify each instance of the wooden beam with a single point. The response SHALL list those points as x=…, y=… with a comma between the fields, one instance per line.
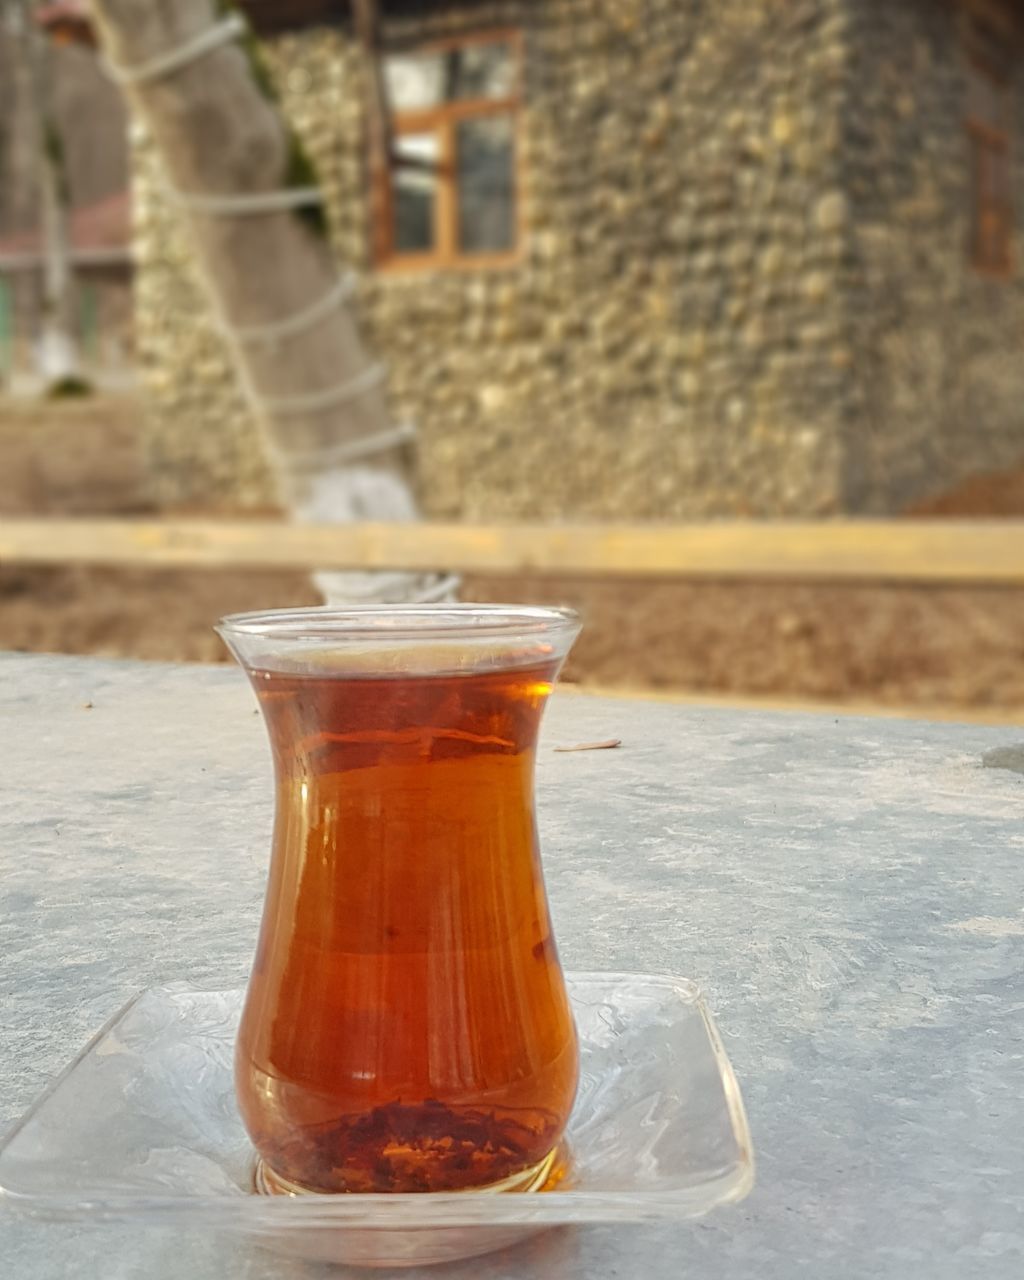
x=989, y=551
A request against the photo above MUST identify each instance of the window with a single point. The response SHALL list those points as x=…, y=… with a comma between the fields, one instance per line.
x=989, y=70
x=449, y=195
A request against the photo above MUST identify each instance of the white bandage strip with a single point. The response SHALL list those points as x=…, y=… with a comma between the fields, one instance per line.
x=165, y=64
x=275, y=330
x=347, y=451
x=313, y=401
x=242, y=205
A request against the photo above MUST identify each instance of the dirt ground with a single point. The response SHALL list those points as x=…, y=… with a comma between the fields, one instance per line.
x=927, y=648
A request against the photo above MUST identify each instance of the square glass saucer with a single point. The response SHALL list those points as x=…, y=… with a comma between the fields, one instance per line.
x=142, y=1127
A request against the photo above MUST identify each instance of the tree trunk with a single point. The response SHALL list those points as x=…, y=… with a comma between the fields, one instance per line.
x=220, y=133
x=58, y=345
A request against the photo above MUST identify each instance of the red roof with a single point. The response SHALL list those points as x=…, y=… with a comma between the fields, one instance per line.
x=99, y=232
x=67, y=20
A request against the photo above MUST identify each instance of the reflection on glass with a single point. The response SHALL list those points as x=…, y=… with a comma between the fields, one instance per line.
x=415, y=192
x=419, y=81
x=486, y=185
x=414, y=81
x=481, y=71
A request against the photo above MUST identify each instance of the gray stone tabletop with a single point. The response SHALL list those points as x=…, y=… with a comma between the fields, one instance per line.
x=848, y=892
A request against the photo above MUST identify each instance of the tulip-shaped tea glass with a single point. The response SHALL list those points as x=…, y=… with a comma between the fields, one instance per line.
x=406, y=1026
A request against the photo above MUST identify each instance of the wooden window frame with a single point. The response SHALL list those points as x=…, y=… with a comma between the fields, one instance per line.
x=990, y=141
x=443, y=121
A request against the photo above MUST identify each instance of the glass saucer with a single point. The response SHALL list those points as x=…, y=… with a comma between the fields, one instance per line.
x=142, y=1127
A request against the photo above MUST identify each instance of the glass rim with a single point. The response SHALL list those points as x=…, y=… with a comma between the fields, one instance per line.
x=399, y=623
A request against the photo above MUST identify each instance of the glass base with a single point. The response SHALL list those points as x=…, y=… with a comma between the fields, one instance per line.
x=142, y=1129
x=546, y=1174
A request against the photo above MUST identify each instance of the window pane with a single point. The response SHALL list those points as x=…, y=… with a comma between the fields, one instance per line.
x=485, y=172
x=417, y=81
x=415, y=192
x=414, y=80
x=481, y=71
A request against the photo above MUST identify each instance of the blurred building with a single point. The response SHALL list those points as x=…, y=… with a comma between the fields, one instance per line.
x=91, y=121
x=101, y=256
x=648, y=258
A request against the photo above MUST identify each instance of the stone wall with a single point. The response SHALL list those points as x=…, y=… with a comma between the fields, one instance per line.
x=674, y=341
x=939, y=348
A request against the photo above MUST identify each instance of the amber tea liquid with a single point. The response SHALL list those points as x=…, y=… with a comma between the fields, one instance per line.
x=406, y=1026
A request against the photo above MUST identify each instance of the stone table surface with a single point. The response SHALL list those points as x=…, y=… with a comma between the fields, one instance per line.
x=848, y=892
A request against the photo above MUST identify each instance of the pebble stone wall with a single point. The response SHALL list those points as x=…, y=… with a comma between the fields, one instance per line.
x=940, y=346
x=689, y=331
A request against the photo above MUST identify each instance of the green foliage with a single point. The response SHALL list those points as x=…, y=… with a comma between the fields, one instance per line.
x=300, y=171
x=53, y=144
x=53, y=147
x=69, y=388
